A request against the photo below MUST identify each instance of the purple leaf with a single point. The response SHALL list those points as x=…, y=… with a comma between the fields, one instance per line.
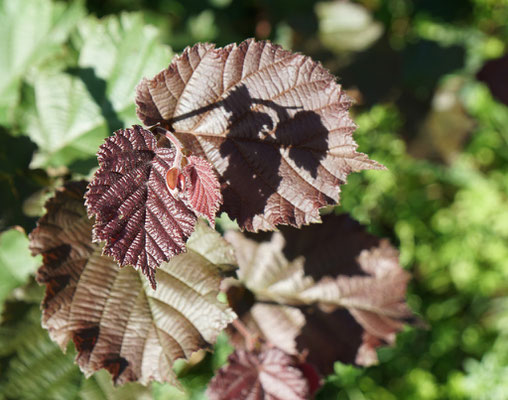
x=115, y=319
x=332, y=289
x=142, y=223
x=266, y=375
x=202, y=189
x=493, y=74
x=274, y=124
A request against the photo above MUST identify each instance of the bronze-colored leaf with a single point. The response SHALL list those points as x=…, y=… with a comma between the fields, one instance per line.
x=267, y=375
x=116, y=320
x=357, y=292
x=273, y=123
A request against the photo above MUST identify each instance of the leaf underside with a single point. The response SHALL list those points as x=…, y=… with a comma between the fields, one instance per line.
x=331, y=289
x=274, y=124
x=115, y=319
x=266, y=375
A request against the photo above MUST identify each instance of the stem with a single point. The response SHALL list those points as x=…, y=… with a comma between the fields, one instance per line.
x=173, y=139
x=176, y=143
x=250, y=339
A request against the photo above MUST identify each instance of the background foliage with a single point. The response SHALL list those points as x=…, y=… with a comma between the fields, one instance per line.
x=429, y=106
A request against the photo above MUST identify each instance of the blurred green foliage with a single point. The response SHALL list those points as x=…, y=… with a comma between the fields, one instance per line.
x=67, y=80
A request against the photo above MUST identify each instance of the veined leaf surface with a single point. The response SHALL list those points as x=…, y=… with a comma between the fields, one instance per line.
x=115, y=319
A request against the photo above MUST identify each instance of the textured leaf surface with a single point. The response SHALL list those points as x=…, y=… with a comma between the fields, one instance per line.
x=115, y=319
x=267, y=375
x=140, y=220
x=274, y=124
x=75, y=110
x=346, y=287
x=202, y=188
x=38, y=370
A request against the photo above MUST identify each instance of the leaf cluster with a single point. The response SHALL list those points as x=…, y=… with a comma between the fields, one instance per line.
x=243, y=151
x=264, y=135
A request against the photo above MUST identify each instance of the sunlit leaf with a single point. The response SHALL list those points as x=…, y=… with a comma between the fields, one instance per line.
x=202, y=188
x=335, y=283
x=266, y=375
x=77, y=108
x=32, y=32
x=274, y=124
x=115, y=319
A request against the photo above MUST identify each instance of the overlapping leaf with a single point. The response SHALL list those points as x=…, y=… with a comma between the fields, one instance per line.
x=32, y=33
x=345, y=287
x=266, y=375
x=115, y=319
x=142, y=223
x=74, y=110
x=36, y=369
x=202, y=188
x=274, y=124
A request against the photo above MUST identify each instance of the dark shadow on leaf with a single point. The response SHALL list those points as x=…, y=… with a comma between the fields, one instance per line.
x=329, y=337
x=304, y=130
x=258, y=130
x=253, y=160
x=331, y=248
x=97, y=88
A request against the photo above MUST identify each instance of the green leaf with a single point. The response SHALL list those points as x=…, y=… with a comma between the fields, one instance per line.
x=32, y=32
x=67, y=123
x=16, y=263
x=75, y=110
x=121, y=51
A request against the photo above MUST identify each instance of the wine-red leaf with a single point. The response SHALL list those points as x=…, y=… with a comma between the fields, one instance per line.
x=114, y=318
x=142, y=223
x=202, y=188
x=267, y=375
x=274, y=124
x=341, y=291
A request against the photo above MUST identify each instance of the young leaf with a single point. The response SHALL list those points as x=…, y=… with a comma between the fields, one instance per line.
x=267, y=375
x=337, y=276
x=202, y=188
x=142, y=223
x=274, y=124
x=115, y=319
